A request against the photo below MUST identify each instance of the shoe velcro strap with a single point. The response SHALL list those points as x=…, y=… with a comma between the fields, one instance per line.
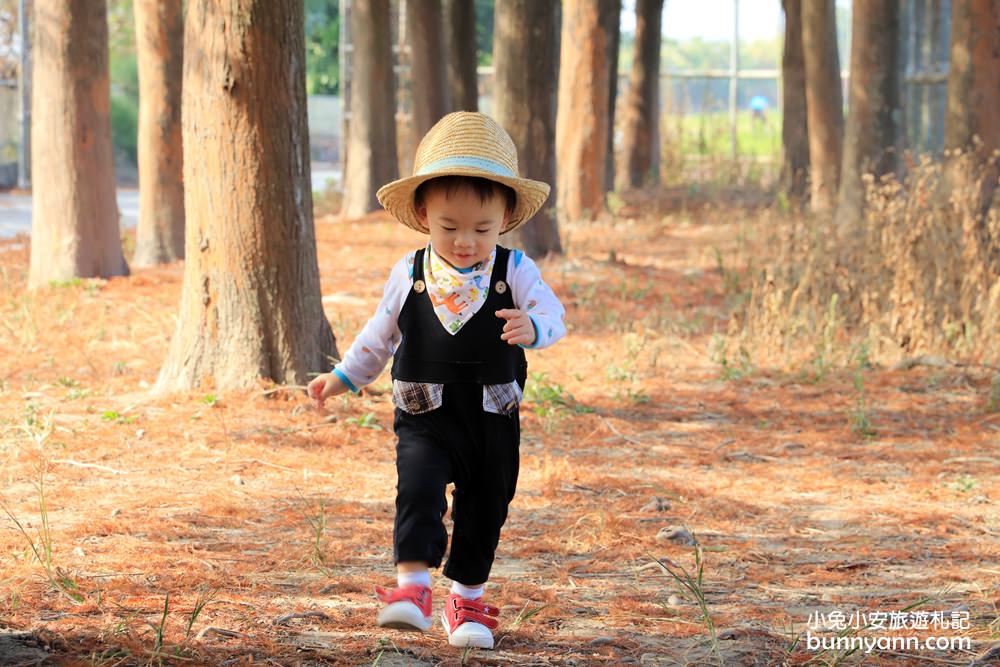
x=407, y=593
x=463, y=609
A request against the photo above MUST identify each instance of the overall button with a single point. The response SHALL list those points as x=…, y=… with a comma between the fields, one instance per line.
x=501, y=287
x=418, y=286
x=413, y=405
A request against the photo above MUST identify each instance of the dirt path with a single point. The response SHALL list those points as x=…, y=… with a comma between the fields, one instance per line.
x=807, y=492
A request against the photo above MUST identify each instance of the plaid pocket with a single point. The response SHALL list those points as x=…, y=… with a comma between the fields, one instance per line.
x=501, y=399
x=416, y=397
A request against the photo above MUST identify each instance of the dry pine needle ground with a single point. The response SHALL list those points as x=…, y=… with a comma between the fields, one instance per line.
x=245, y=528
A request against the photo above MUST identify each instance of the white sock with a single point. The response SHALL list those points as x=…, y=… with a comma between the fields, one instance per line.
x=467, y=592
x=422, y=577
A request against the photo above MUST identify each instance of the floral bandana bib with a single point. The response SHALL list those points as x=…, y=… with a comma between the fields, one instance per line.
x=456, y=295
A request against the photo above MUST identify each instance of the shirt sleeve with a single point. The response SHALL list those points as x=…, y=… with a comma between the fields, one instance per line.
x=532, y=295
x=366, y=358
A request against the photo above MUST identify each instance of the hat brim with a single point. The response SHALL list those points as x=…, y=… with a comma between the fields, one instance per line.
x=397, y=196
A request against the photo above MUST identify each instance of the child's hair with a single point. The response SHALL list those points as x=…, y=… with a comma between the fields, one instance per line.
x=484, y=188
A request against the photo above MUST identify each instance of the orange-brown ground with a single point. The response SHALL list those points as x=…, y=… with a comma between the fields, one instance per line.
x=265, y=507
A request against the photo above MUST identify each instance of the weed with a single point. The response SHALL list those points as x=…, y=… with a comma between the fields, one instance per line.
x=718, y=353
x=204, y=597
x=861, y=423
x=366, y=420
x=116, y=417
x=692, y=583
x=525, y=614
x=42, y=549
x=318, y=525
x=964, y=484
x=158, y=639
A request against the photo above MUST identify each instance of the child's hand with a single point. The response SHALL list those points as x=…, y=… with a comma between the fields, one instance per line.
x=323, y=387
x=518, y=328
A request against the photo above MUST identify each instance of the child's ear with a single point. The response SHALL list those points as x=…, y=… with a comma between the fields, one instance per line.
x=422, y=214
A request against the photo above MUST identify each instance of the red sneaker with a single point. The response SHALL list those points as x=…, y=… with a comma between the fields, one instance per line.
x=469, y=622
x=407, y=607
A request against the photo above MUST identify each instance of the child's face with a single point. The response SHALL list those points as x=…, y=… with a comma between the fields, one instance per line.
x=463, y=229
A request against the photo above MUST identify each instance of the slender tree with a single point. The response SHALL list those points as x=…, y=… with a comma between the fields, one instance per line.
x=794, y=119
x=824, y=101
x=428, y=73
x=873, y=121
x=74, y=229
x=613, y=30
x=640, y=156
x=371, y=131
x=460, y=33
x=159, y=36
x=525, y=59
x=250, y=304
x=972, y=116
x=582, y=115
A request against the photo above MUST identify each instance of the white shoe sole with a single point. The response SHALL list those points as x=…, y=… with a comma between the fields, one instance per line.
x=404, y=615
x=469, y=633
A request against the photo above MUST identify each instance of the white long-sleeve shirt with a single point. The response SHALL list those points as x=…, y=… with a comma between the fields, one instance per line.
x=367, y=356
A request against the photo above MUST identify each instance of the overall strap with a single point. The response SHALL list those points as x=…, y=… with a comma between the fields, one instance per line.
x=500, y=265
x=418, y=265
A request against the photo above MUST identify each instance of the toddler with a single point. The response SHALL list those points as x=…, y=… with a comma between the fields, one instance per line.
x=456, y=317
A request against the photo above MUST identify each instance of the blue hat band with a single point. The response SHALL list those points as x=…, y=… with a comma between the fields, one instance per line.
x=466, y=161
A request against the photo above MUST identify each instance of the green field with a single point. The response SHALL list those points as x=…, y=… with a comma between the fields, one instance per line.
x=708, y=134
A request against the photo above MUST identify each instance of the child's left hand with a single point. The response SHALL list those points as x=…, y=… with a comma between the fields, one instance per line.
x=518, y=328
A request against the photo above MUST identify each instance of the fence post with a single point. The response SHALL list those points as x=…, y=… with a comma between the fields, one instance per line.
x=734, y=73
x=24, y=147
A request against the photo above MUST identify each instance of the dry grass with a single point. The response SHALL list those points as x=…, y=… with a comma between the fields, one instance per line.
x=193, y=525
x=921, y=278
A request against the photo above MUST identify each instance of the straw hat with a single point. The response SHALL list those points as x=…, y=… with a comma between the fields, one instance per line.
x=464, y=143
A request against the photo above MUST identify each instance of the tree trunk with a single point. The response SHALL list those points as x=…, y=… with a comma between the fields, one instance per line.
x=872, y=130
x=428, y=74
x=460, y=31
x=526, y=62
x=824, y=101
x=640, y=156
x=613, y=30
x=159, y=36
x=250, y=304
x=75, y=220
x=582, y=115
x=974, y=89
x=371, y=134
x=794, y=120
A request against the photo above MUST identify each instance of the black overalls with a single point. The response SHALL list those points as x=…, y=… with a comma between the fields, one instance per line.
x=459, y=441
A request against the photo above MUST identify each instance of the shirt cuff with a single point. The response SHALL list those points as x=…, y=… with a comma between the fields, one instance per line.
x=537, y=339
x=343, y=378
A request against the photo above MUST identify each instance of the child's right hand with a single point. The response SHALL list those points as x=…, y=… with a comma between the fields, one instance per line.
x=324, y=386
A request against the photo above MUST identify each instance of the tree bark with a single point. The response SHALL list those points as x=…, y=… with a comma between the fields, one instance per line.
x=794, y=120
x=460, y=33
x=613, y=30
x=159, y=36
x=974, y=88
x=428, y=74
x=371, y=135
x=74, y=228
x=640, y=155
x=824, y=101
x=872, y=130
x=250, y=304
x=525, y=59
x=582, y=115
